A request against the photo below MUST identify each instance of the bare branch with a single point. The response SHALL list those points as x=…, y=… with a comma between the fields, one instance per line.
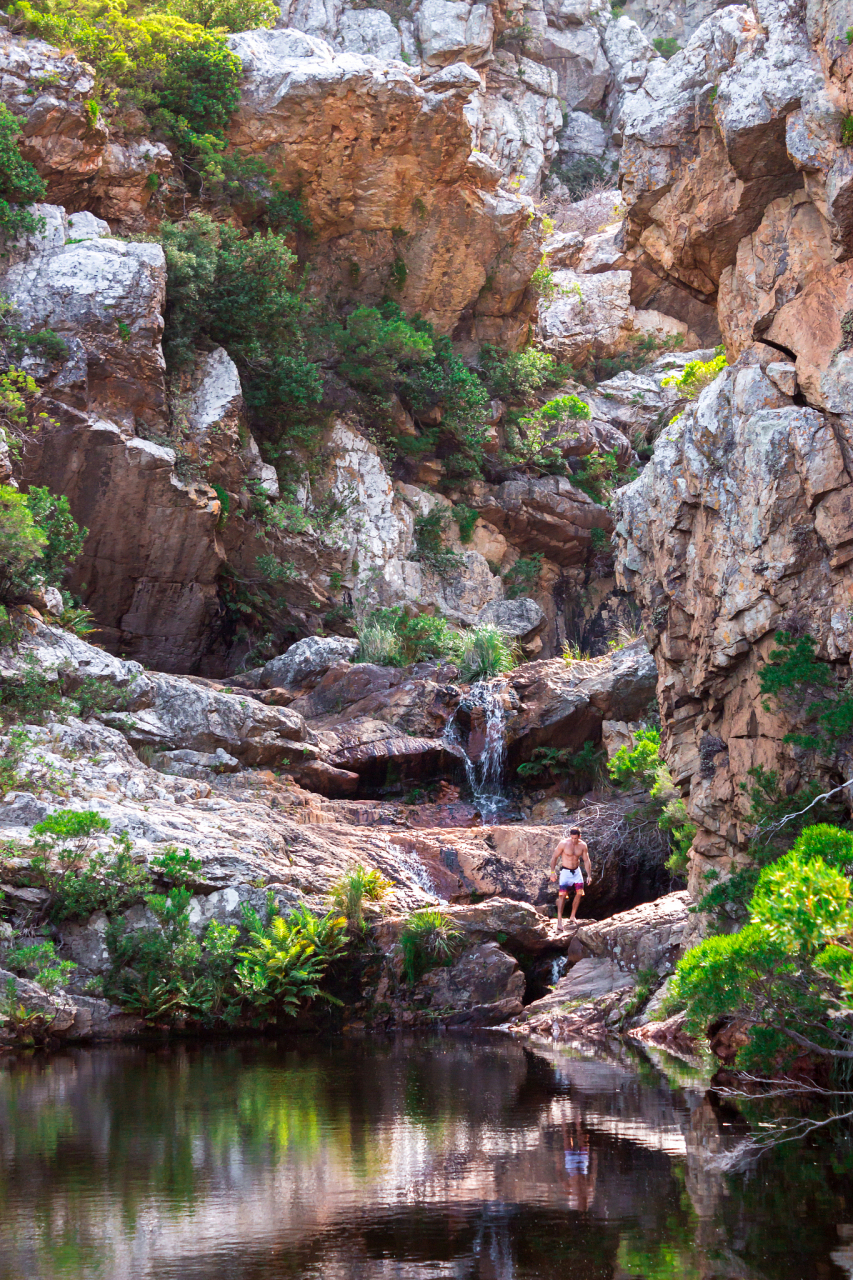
x=776, y=826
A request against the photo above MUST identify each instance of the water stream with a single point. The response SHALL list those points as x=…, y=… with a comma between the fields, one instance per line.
x=430, y=1158
x=484, y=770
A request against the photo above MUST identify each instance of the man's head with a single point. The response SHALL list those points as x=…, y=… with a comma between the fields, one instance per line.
x=575, y=831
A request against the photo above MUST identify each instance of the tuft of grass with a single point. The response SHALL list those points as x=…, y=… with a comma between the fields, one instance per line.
x=428, y=938
x=349, y=893
x=488, y=652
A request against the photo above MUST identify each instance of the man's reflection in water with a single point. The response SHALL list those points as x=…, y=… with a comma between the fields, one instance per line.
x=578, y=1165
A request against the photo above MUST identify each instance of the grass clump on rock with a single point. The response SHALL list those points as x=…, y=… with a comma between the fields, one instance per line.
x=428, y=938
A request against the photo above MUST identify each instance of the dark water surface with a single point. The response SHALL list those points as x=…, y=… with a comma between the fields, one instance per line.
x=412, y=1159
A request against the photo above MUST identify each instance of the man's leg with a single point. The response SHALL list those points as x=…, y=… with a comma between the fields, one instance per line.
x=561, y=902
x=577, y=902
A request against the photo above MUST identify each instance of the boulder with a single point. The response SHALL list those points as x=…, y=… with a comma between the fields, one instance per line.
x=521, y=619
x=586, y=981
x=546, y=514
x=302, y=665
x=646, y=937
x=588, y=315
x=74, y=1018
x=484, y=985
x=454, y=31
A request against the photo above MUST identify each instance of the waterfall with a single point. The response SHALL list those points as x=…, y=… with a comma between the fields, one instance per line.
x=558, y=968
x=410, y=868
x=484, y=770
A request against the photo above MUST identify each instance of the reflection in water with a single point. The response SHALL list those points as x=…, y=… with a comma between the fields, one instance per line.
x=396, y=1160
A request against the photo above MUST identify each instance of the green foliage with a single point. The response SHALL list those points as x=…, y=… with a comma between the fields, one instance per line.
x=584, y=767
x=788, y=974
x=239, y=291
x=597, y=476
x=21, y=546
x=39, y=961
x=488, y=652
x=80, y=877
x=536, y=440
x=430, y=550
x=581, y=177
x=20, y=184
x=389, y=638
x=376, y=343
x=228, y=15
x=349, y=893
x=64, y=538
x=517, y=375
x=11, y=758
x=790, y=672
x=379, y=643
x=428, y=938
x=523, y=577
x=175, y=867
x=643, y=765
x=446, y=382
x=667, y=46
x=284, y=962
x=466, y=518
x=542, y=281
x=847, y=131
x=697, y=375
x=34, y=693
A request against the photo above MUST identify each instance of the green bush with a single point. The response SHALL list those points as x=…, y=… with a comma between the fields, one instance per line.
x=517, y=375
x=428, y=938
x=64, y=538
x=389, y=638
x=379, y=643
x=227, y=15
x=523, y=576
x=584, y=767
x=488, y=652
x=81, y=878
x=788, y=973
x=667, y=46
x=430, y=532
x=284, y=962
x=34, y=694
x=39, y=962
x=466, y=518
x=697, y=375
x=791, y=673
x=239, y=291
x=20, y=184
x=22, y=545
x=536, y=440
x=375, y=344
x=643, y=765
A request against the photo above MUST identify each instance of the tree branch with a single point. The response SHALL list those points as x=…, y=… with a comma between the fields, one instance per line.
x=776, y=826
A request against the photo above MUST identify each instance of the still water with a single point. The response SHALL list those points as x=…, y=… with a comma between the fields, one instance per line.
x=411, y=1159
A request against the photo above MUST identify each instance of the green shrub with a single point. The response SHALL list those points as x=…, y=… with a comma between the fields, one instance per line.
x=39, y=962
x=230, y=15
x=536, y=439
x=33, y=694
x=349, y=893
x=847, y=131
x=239, y=291
x=428, y=938
x=284, y=962
x=466, y=518
x=667, y=46
x=389, y=638
x=581, y=177
x=597, y=476
x=64, y=538
x=488, y=652
x=523, y=577
x=788, y=973
x=375, y=343
x=81, y=878
x=21, y=546
x=697, y=375
x=643, y=765
x=379, y=643
x=584, y=767
x=791, y=672
x=20, y=184
x=517, y=375
x=430, y=550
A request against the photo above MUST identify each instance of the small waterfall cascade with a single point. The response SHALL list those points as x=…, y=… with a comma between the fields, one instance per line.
x=412, y=870
x=558, y=968
x=478, y=729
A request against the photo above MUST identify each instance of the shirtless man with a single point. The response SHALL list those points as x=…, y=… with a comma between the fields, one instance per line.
x=571, y=851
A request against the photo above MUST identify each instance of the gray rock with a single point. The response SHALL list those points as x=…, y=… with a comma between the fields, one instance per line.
x=304, y=662
x=21, y=809
x=195, y=764
x=646, y=937
x=485, y=982
x=522, y=618
x=582, y=135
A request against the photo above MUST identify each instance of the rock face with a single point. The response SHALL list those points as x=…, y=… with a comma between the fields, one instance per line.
x=682, y=531
x=383, y=153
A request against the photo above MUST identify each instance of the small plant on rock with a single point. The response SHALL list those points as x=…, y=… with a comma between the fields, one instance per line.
x=488, y=652
x=350, y=892
x=428, y=938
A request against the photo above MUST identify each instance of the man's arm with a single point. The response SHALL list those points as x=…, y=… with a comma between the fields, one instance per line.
x=554, y=857
x=586, y=862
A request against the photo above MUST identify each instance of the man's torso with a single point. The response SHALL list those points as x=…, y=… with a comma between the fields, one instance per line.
x=570, y=852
